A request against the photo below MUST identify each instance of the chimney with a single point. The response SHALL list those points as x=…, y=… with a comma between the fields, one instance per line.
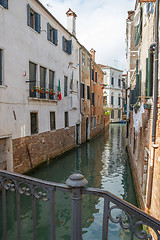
x=71, y=22
x=92, y=51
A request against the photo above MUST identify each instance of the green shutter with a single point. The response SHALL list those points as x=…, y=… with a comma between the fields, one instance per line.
x=69, y=46
x=150, y=73
x=55, y=36
x=140, y=80
x=146, y=76
x=63, y=43
x=48, y=32
x=4, y=3
x=28, y=15
x=37, y=22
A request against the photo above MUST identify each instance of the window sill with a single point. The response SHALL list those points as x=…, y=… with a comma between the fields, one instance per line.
x=3, y=86
x=41, y=99
x=33, y=30
x=53, y=44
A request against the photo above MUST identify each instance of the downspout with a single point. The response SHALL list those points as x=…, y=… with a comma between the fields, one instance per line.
x=80, y=78
x=155, y=98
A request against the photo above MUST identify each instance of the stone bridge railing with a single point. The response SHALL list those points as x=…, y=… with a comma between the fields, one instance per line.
x=130, y=217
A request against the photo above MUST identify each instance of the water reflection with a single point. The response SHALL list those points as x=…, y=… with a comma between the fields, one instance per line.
x=103, y=162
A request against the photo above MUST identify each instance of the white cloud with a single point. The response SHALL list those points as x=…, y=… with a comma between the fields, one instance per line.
x=100, y=24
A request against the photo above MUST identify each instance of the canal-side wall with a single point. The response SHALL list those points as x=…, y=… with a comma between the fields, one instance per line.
x=138, y=145
x=30, y=151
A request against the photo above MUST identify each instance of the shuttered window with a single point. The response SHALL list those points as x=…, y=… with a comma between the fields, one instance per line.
x=32, y=79
x=95, y=76
x=112, y=81
x=112, y=100
x=34, y=123
x=150, y=73
x=92, y=74
x=88, y=92
x=4, y=3
x=1, y=66
x=33, y=19
x=93, y=99
x=52, y=121
x=65, y=86
x=42, y=82
x=147, y=77
x=82, y=90
x=51, y=84
x=52, y=34
x=112, y=114
x=66, y=45
x=119, y=101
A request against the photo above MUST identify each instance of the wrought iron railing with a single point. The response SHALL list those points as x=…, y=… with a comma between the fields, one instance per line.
x=129, y=218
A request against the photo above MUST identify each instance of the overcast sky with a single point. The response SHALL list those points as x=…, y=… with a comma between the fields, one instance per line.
x=100, y=24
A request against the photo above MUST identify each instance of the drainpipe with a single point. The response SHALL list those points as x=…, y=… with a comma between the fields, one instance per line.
x=80, y=78
x=155, y=98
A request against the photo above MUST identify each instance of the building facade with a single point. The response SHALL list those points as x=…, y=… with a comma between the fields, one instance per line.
x=40, y=85
x=112, y=92
x=143, y=135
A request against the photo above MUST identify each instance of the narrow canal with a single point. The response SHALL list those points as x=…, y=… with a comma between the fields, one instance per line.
x=104, y=163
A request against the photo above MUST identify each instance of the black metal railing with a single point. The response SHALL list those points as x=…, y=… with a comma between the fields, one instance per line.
x=129, y=217
x=47, y=92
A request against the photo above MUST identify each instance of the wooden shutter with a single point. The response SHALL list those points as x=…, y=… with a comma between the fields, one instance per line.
x=4, y=3
x=147, y=77
x=140, y=80
x=63, y=43
x=55, y=36
x=28, y=15
x=48, y=32
x=150, y=73
x=69, y=46
x=92, y=74
x=37, y=22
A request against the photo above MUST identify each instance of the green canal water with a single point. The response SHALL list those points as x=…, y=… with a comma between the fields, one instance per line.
x=104, y=163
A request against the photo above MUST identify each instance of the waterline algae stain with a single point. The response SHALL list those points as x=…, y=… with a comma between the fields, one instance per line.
x=104, y=163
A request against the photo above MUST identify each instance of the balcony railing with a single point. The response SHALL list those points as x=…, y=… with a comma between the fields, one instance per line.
x=43, y=92
x=129, y=217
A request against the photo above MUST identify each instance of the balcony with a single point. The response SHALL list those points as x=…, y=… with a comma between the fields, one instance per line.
x=39, y=92
x=116, y=210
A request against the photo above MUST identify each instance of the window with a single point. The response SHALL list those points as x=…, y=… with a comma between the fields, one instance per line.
x=95, y=121
x=32, y=79
x=65, y=86
x=66, y=119
x=92, y=74
x=104, y=100
x=88, y=63
x=92, y=122
x=34, y=122
x=66, y=45
x=88, y=92
x=95, y=76
x=52, y=121
x=82, y=90
x=112, y=81
x=93, y=99
x=83, y=59
x=119, y=101
x=1, y=66
x=33, y=19
x=4, y=3
x=112, y=100
x=119, y=82
x=112, y=114
x=42, y=82
x=51, y=84
x=119, y=113
x=52, y=34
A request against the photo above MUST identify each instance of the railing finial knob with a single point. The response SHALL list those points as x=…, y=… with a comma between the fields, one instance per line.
x=76, y=180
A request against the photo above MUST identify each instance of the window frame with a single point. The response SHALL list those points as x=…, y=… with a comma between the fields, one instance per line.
x=52, y=121
x=31, y=127
x=66, y=119
x=65, y=86
x=1, y=67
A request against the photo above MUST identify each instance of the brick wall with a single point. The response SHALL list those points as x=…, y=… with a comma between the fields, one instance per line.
x=30, y=151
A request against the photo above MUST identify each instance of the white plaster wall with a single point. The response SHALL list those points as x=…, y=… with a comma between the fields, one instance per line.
x=22, y=44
